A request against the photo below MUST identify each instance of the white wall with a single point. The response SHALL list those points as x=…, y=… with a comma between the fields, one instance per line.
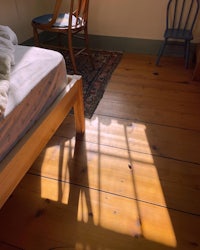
x=128, y=18
x=18, y=15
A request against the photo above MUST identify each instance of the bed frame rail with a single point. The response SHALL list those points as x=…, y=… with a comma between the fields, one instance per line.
x=15, y=165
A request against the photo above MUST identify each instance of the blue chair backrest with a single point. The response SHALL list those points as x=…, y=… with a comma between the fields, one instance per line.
x=182, y=14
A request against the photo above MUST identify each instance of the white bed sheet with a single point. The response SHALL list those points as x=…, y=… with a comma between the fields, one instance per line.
x=38, y=77
x=32, y=64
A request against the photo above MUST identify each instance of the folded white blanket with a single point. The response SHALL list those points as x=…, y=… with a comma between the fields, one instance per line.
x=9, y=34
x=4, y=87
x=5, y=66
x=7, y=48
x=8, y=40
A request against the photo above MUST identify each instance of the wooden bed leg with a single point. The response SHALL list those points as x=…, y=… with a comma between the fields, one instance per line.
x=79, y=110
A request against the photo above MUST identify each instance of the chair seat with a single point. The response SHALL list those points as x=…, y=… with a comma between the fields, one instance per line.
x=178, y=34
x=61, y=22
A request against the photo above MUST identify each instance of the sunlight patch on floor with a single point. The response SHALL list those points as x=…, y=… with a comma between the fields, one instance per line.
x=125, y=194
x=146, y=186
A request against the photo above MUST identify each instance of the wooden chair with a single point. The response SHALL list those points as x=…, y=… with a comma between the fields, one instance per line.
x=180, y=19
x=74, y=21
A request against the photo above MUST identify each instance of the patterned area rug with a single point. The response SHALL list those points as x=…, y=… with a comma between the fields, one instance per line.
x=94, y=79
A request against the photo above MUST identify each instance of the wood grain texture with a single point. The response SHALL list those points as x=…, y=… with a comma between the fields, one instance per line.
x=131, y=182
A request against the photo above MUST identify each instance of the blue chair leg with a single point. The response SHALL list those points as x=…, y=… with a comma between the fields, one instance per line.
x=160, y=53
x=187, y=54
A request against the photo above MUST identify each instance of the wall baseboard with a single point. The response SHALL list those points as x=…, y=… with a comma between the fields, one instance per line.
x=130, y=45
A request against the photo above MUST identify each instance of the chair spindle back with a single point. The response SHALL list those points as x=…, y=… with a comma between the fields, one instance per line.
x=182, y=14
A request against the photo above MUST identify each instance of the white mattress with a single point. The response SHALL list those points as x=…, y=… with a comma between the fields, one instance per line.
x=31, y=66
x=37, y=78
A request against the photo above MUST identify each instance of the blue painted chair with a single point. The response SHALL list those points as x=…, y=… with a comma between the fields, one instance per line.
x=74, y=21
x=180, y=20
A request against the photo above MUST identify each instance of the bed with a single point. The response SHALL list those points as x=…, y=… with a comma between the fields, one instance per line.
x=40, y=95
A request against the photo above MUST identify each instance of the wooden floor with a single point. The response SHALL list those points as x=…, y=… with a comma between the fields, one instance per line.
x=132, y=182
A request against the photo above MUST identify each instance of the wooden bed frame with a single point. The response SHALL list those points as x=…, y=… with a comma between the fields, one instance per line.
x=15, y=165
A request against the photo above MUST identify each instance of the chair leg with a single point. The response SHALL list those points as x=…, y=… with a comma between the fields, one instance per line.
x=36, y=37
x=160, y=53
x=187, y=54
x=87, y=46
x=71, y=52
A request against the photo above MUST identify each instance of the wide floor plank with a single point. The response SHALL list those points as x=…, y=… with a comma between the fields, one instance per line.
x=166, y=141
x=126, y=173
x=131, y=182
x=82, y=218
